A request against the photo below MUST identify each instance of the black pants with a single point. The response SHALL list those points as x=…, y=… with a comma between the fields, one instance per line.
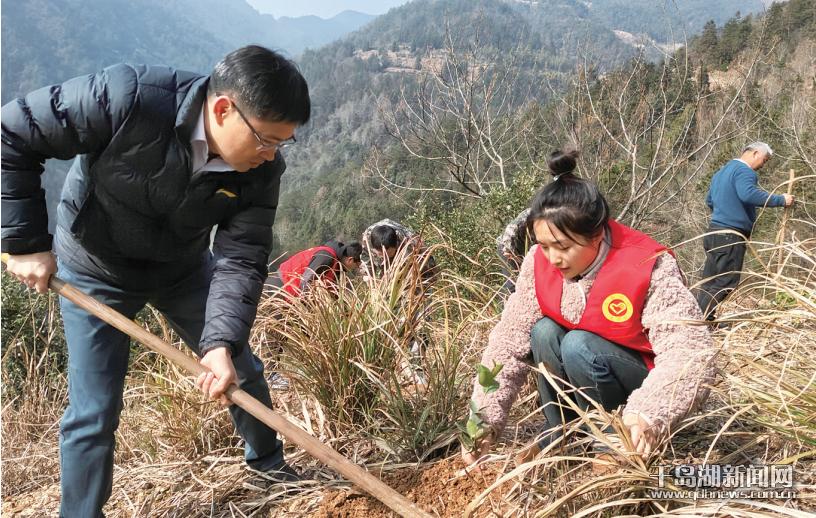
x=721, y=274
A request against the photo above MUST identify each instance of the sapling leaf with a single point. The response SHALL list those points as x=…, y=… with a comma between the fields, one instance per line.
x=474, y=408
x=497, y=367
x=472, y=429
x=485, y=375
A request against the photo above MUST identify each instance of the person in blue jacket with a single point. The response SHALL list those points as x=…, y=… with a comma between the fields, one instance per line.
x=162, y=157
x=733, y=197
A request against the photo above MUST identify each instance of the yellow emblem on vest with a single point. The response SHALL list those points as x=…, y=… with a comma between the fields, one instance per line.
x=617, y=308
x=228, y=194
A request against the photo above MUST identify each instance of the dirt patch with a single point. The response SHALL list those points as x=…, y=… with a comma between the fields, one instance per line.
x=437, y=489
x=41, y=503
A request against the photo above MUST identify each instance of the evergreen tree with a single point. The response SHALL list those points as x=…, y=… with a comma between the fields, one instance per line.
x=703, y=78
x=775, y=22
x=802, y=15
x=708, y=43
x=732, y=40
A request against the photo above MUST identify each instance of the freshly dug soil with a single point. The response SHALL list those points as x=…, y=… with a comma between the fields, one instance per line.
x=437, y=489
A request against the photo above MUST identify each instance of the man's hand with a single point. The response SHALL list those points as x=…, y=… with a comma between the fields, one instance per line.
x=220, y=376
x=789, y=199
x=33, y=270
x=644, y=438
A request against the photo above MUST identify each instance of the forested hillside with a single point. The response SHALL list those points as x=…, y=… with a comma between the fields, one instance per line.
x=527, y=55
x=358, y=81
x=652, y=134
x=668, y=21
x=47, y=41
x=391, y=133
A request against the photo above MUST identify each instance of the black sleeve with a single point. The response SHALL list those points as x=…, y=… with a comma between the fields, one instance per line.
x=241, y=248
x=61, y=121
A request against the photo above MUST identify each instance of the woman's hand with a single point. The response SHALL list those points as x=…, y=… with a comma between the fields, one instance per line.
x=644, y=437
x=472, y=457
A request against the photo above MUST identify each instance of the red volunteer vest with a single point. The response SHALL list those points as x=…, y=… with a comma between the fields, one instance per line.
x=615, y=304
x=292, y=269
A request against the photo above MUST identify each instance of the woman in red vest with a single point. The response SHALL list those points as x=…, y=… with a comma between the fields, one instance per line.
x=603, y=307
x=295, y=275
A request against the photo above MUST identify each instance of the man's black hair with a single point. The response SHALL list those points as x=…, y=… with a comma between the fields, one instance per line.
x=383, y=236
x=264, y=83
x=353, y=249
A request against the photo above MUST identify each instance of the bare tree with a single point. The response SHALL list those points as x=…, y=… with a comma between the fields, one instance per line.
x=464, y=114
x=648, y=146
x=649, y=132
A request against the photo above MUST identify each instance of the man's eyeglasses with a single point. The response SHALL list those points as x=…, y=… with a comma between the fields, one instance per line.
x=262, y=144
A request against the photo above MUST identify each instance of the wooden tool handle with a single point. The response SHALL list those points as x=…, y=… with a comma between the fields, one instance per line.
x=366, y=481
x=780, y=236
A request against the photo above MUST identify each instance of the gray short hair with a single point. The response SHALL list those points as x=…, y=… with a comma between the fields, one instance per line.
x=759, y=146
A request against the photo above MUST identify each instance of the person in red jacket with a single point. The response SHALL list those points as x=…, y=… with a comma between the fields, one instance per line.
x=296, y=274
x=604, y=308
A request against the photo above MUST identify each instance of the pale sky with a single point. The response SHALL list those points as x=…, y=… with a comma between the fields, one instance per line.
x=322, y=8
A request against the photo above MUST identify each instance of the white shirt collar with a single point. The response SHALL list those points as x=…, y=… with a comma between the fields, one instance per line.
x=201, y=151
x=199, y=134
x=743, y=161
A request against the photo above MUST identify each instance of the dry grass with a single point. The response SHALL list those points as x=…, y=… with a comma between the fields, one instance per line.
x=384, y=360
x=178, y=456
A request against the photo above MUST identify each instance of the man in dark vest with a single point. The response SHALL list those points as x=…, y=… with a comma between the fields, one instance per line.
x=733, y=197
x=162, y=157
x=296, y=274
